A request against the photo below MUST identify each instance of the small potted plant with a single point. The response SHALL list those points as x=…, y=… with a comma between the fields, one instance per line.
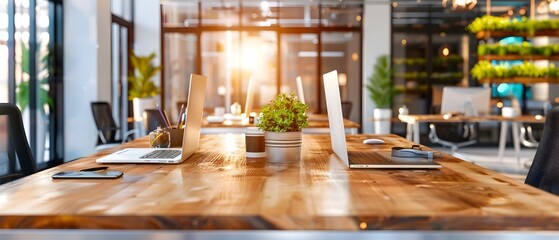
x=142, y=90
x=381, y=92
x=282, y=121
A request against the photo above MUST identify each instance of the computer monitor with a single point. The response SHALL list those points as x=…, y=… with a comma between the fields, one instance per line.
x=472, y=101
x=300, y=92
x=250, y=97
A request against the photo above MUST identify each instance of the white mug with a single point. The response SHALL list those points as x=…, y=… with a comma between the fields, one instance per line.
x=219, y=111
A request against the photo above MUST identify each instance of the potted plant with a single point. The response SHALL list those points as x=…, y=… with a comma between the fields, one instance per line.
x=142, y=89
x=44, y=102
x=282, y=121
x=381, y=92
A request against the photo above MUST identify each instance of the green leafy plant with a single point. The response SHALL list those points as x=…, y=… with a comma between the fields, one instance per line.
x=520, y=49
x=437, y=61
x=380, y=83
x=23, y=92
x=284, y=114
x=484, y=69
x=140, y=78
x=522, y=25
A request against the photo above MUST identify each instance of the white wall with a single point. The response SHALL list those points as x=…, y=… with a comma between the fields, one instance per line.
x=147, y=30
x=83, y=82
x=376, y=42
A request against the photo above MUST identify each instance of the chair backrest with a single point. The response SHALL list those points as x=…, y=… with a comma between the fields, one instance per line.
x=544, y=172
x=152, y=120
x=14, y=147
x=346, y=109
x=104, y=120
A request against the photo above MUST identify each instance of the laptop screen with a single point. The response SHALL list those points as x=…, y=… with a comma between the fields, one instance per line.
x=335, y=117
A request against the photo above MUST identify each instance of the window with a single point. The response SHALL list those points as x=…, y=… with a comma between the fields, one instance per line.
x=4, y=51
x=31, y=74
x=270, y=42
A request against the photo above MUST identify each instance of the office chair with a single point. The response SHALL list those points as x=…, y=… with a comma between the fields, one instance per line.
x=106, y=126
x=454, y=135
x=544, y=171
x=346, y=109
x=17, y=148
x=152, y=120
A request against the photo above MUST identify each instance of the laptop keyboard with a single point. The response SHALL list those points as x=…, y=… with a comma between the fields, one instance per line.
x=162, y=154
x=358, y=157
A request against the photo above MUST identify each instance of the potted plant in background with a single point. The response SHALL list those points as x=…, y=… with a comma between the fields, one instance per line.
x=381, y=92
x=44, y=102
x=142, y=89
x=282, y=121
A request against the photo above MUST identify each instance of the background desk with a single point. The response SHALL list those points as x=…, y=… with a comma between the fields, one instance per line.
x=218, y=188
x=413, y=121
x=318, y=124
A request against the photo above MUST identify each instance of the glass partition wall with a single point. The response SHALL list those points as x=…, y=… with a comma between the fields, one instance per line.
x=270, y=42
x=31, y=74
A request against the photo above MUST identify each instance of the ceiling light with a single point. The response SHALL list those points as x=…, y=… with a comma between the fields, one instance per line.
x=394, y=4
x=460, y=4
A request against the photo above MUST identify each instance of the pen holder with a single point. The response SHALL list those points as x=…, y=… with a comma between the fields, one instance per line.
x=176, y=136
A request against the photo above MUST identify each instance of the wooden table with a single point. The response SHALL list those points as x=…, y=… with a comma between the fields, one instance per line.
x=218, y=188
x=318, y=124
x=413, y=121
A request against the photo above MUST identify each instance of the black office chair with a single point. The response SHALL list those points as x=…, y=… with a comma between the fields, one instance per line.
x=452, y=135
x=346, y=109
x=544, y=172
x=16, y=148
x=152, y=120
x=106, y=126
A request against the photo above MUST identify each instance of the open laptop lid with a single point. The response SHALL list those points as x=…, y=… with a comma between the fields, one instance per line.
x=194, y=115
x=335, y=117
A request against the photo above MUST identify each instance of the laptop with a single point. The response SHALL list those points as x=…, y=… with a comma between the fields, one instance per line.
x=190, y=141
x=360, y=159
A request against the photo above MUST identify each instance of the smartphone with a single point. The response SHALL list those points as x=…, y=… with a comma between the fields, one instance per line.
x=87, y=175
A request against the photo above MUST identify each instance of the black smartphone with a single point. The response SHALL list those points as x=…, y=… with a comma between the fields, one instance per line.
x=87, y=175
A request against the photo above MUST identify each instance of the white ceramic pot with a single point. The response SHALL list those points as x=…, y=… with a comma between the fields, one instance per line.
x=382, y=120
x=140, y=105
x=283, y=147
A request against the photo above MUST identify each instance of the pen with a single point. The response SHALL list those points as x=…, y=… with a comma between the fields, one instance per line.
x=162, y=115
x=167, y=121
x=180, y=116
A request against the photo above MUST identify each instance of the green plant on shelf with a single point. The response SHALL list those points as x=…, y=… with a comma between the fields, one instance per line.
x=412, y=76
x=520, y=49
x=410, y=61
x=522, y=25
x=451, y=59
x=485, y=70
x=443, y=76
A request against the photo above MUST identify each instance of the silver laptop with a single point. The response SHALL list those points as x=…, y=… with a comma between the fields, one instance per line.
x=364, y=158
x=190, y=141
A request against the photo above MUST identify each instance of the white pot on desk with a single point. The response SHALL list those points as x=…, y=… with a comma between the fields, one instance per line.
x=382, y=120
x=283, y=147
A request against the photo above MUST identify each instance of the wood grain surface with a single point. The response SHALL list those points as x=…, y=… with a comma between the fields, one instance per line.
x=439, y=118
x=218, y=188
x=319, y=121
